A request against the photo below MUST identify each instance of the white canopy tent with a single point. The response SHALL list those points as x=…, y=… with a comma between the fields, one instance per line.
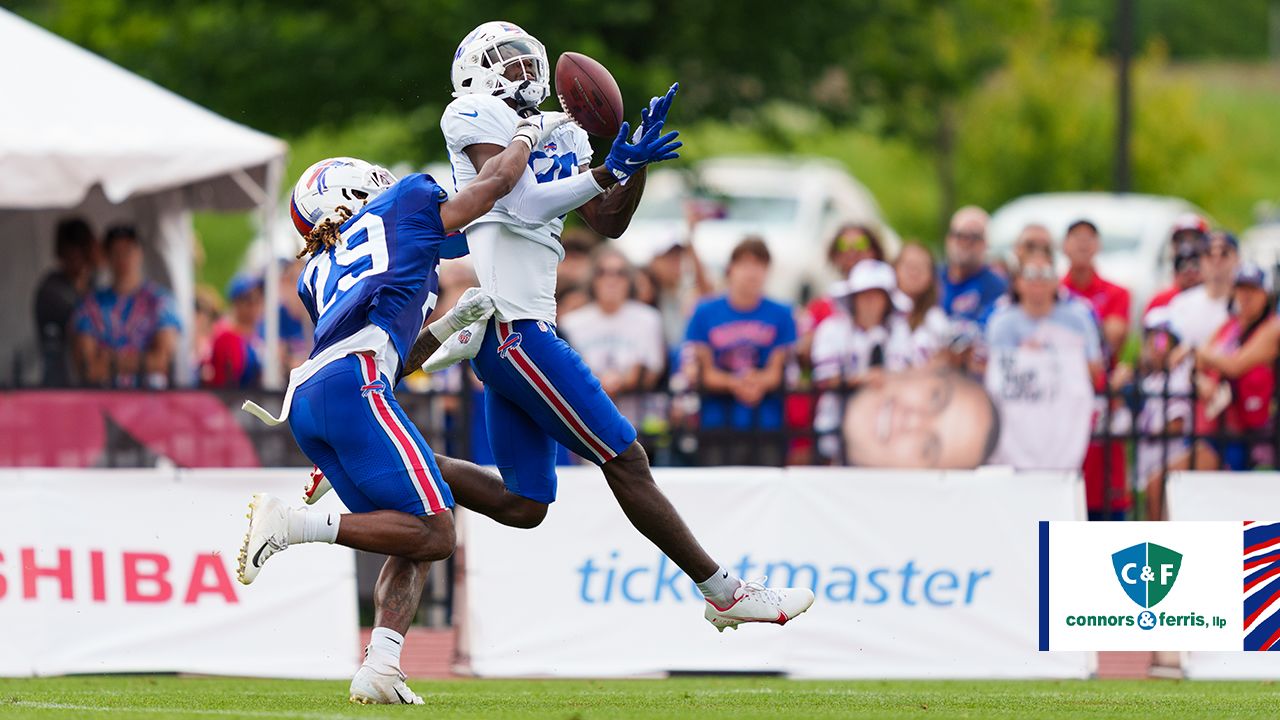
x=80, y=136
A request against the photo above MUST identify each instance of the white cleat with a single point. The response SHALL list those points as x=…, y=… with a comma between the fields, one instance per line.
x=370, y=687
x=317, y=485
x=753, y=602
x=268, y=534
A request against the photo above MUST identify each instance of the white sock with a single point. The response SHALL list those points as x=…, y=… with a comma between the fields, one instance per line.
x=383, y=652
x=311, y=526
x=720, y=587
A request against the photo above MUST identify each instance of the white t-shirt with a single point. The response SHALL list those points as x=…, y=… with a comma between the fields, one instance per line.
x=515, y=264
x=1045, y=399
x=617, y=343
x=933, y=334
x=841, y=349
x=1196, y=316
x=1155, y=417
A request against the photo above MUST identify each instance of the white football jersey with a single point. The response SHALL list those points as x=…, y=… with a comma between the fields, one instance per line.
x=521, y=275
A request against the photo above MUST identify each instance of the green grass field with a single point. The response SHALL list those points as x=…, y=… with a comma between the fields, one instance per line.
x=161, y=698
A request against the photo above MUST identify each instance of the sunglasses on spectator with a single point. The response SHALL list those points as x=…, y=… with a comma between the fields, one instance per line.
x=971, y=237
x=1037, y=273
x=853, y=241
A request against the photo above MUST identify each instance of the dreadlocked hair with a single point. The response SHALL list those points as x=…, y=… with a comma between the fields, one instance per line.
x=326, y=234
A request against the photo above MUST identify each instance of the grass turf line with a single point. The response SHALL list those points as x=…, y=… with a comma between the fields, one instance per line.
x=171, y=698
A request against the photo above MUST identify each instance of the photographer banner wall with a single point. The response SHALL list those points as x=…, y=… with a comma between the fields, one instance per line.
x=1232, y=496
x=917, y=574
x=134, y=571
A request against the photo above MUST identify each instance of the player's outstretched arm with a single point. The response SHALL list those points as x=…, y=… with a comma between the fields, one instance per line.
x=534, y=203
x=499, y=175
x=610, y=213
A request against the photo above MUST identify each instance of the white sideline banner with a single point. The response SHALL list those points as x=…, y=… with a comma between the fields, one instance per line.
x=1226, y=496
x=105, y=571
x=917, y=574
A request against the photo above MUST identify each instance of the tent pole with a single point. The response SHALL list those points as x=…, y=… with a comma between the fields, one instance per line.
x=273, y=377
x=272, y=373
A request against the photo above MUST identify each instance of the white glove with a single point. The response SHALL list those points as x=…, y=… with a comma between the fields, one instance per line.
x=460, y=347
x=535, y=129
x=474, y=305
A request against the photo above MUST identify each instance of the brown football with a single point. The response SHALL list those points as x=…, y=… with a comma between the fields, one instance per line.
x=589, y=94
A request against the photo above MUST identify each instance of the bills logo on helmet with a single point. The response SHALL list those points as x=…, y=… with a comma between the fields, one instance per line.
x=317, y=177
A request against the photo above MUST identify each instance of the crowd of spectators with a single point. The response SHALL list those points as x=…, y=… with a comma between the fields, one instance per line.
x=687, y=354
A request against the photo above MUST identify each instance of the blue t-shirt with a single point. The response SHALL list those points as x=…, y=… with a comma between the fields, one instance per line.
x=742, y=341
x=1069, y=324
x=130, y=322
x=973, y=298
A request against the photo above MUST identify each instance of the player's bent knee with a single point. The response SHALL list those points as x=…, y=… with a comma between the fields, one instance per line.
x=438, y=538
x=524, y=513
x=630, y=464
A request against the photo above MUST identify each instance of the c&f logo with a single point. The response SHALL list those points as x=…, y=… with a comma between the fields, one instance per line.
x=1147, y=572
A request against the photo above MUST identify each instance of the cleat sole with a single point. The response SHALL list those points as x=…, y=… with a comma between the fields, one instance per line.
x=242, y=560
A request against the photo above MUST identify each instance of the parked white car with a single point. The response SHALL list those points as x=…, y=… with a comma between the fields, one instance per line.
x=1135, y=232
x=795, y=204
x=1260, y=244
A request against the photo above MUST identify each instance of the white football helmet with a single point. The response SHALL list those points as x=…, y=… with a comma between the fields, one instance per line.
x=480, y=64
x=332, y=183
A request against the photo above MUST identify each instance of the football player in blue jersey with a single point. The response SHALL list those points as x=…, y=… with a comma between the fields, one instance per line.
x=370, y=281
x=538, y=391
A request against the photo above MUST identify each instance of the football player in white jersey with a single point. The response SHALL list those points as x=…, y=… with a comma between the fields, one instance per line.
x=538, y=391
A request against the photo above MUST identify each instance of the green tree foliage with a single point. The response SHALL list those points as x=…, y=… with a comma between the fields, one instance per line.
x=1192, y=29
x=1047, y=123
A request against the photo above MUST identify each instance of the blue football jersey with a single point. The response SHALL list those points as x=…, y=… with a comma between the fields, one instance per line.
x=383, y=271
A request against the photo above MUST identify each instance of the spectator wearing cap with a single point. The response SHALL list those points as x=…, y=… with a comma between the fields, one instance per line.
x=1109, y=301
x=740, y=343
x=235, y=360
x=1188, y=241
x=858, y=346
x=1199, y=311
x=127, y=333
x=294, y=328
x=58, y=295
x=1164, y=416
x=619, y=339
x=1239, y=401
x=970, y=288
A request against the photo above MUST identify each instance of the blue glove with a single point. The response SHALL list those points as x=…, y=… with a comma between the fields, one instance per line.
x=656, y=112
x=626, y=158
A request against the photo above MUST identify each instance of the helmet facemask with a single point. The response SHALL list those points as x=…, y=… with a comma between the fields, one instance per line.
x=502, y=60
x=522, y=65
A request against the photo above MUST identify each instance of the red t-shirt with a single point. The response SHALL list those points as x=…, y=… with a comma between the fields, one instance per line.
x=1108, y=299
